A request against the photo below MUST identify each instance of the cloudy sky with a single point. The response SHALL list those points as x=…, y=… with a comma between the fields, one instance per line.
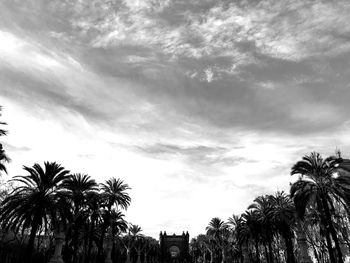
x=198, y=105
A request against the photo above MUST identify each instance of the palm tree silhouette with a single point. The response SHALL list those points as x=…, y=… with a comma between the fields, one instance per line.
x=233, y=222
x=318, y=185
x=250, y=229
x=262, y=209
x=95, y=218
x=114, y=192
x=77, y=188
x=282, y=216
x=219, y=232
x=207, y=243
x=35, y=202
x=3, y=159
x=134, y=232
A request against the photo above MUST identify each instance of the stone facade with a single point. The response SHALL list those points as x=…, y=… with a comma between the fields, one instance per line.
x=174, y=248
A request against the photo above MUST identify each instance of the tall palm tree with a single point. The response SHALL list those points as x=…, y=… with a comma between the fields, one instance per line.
x=119, y=225
x=218, y=230
x=94, y=204
x=134, y=232
x=195, y=250
x=114, y=192
x=140, y=243
x=250, y=229
x=262, y=208
x=282, y=216
x=318, y=186
x=207, y=244
x=115, y=220
x=77, y=188
x=150, y=244
x=233, y=224
x=35, y=202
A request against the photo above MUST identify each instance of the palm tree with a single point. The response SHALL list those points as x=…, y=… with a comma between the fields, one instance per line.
x=318, y=186
x=282, y=216
x=119, y=225
x=262, y=208
x=233, y=223
x=115, y=220
x=218, y=230
x=95, y=217
x=3, y=159
x=150, y=244
x=134, y=232
x=114, y=192
x=140, y=243
x=77, y=188
x=250, y=229
x=206, y=244
x=34, y=203
x=195, y=250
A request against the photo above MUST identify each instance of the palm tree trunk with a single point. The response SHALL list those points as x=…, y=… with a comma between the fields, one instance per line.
x=332, y=230
x=211, y=256
x=30, y=246
x=327, y=234
x=138, y=256
x=91, y=234
x=223, y=253
x=86, y=241
x=329, y=247
x=59, y=240
x=75, y=242
x=67, y=250
x=128, y=255
x=109, y=247
x=240, y=253
x=266, y=253
x=270, y=250
x=289, y=246
x=257, y=251
x=204, y=257
x=100, y=243
x=245, y=253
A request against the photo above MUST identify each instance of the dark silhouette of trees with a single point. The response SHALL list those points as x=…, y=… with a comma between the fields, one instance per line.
x=319, y=186
x=35, y=202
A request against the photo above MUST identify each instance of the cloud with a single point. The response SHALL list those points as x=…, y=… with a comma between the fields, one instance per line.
x=202, y=97
x=15, y=149
x=194, y=155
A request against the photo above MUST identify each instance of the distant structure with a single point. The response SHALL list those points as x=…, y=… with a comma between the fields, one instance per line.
x=174, y=248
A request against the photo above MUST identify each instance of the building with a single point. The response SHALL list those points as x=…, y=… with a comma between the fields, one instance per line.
x=174, y=248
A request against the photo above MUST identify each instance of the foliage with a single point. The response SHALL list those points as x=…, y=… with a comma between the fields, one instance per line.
x=3, y=156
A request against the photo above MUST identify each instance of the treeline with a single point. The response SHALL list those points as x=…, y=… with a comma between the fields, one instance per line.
x=51, y=214
x=309, y=224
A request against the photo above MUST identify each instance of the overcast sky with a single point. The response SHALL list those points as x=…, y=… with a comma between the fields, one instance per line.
x=199, y=105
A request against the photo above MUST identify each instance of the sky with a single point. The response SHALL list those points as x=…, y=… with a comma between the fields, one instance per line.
x=200, y=106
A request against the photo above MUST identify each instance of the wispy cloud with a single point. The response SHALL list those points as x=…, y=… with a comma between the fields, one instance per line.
x=194, y=155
